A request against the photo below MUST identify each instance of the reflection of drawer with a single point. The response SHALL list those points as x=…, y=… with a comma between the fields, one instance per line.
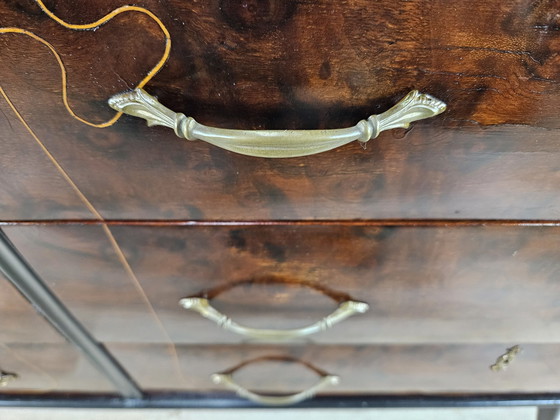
x=442, y=368
x=468, y=284
x=48, y=367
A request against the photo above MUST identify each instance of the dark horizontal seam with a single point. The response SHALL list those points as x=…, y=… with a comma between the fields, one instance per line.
x=314, y=222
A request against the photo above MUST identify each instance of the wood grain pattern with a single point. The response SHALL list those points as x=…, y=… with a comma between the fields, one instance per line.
x=31, y=185
x=499, y=174
x=444, y=368
x=424, y=284
x=311, y=57
x=48, y=367
x=19, y=323
x=289, y=65
x=99, y=293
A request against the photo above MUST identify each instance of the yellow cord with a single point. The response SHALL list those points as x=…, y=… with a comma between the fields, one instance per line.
x=142, y=83
x=95, y=25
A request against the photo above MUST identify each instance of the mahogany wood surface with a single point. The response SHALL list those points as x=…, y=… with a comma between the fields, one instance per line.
x=88, y=278
x=286, y=64
x=444, y=368
x=19, y=323
x=423, y=284
x=48, y=367
x=447, y=294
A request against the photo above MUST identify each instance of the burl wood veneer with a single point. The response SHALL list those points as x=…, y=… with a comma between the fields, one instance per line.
x=286, y=65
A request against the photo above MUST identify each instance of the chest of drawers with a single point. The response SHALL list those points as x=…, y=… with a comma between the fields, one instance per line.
x=411, y=272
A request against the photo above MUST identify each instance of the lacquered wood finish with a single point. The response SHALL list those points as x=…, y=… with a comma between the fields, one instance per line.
x=444, y=368
x=311, y=56
x=446, y=298
x=287, y=65
x=48, y=367
x=423, y=284
x=19, y=323
x=86, y=274
x=32, y=189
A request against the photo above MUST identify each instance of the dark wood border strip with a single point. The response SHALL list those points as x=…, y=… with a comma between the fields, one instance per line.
x=223, y=400
x=30, y=285
x=375, y=222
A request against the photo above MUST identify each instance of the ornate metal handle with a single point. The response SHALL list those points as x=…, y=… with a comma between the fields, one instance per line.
x=226, y=378
x=277, y=143
x=6, y=378
x=346, y=307
x=203, y=307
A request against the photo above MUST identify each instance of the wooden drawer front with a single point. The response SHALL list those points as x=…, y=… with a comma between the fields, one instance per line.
x=84, y=271
x=19, y=323
x=423, y=284
x=49, y=367
x=445, y=368
x=322, y=65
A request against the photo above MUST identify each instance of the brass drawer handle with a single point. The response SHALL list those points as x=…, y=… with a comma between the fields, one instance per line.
x=277, y=143
x=7, y=377
x=204, y=308
x=226, y=379
x=346, y=308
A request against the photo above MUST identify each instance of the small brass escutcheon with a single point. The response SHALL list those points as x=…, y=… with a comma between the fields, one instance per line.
x=505, y=359
x=6, y=377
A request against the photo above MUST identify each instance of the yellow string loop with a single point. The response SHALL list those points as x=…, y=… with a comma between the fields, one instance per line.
x=91, y=26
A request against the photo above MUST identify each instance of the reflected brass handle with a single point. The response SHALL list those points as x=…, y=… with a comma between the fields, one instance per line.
x=277, y=143
x=226, y=379
x=6, y=378
x=203, y=307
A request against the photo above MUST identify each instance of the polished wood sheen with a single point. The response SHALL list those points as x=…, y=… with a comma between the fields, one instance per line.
x=86, y=274
x=49, y=367
x=273, y=65
x=443, y=368
x=449, y=230
x=423, y=284
x=19, y=323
